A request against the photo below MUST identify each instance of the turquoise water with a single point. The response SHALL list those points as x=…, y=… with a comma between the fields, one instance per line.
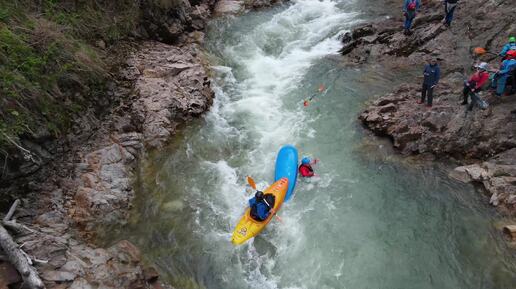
x=371, y=220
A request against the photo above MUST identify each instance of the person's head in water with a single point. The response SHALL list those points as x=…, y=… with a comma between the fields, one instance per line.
x=259, y=195
x=305, y=161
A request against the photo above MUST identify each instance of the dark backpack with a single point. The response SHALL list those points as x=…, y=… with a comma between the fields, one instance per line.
x=412, y=6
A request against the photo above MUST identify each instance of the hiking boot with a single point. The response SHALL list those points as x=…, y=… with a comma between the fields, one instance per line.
x=463, y=103
x=428, y=106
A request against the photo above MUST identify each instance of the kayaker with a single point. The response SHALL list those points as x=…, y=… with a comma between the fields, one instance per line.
x=261, y=206
x=305, y=169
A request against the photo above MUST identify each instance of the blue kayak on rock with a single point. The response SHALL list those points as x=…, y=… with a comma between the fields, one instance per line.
x=286, y=167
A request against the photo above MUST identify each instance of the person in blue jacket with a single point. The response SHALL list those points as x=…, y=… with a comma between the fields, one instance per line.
x=410, y=7
x=509, y=46
x=261, y=206
x=431, y=74
x=500, y=79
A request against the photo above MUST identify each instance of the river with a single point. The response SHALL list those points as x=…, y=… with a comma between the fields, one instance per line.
x=371, y=220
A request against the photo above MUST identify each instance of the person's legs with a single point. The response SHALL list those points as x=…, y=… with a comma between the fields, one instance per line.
x=474, y=101
x=423, y=93
x=465, y=94
x=430, y=96
x=449, y=16
x=513, y=82
x=500, y=86
x=411, y=18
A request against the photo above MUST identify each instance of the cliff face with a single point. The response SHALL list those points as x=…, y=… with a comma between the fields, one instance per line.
x=485, y=137
x=81, y=179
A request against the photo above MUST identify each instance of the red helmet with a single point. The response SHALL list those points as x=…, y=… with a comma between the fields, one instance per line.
x=511, y=54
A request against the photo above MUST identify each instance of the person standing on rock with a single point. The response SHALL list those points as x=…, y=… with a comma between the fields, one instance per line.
x=431, y=74
x=474, y=85
x=449, y=8
x=410, y=7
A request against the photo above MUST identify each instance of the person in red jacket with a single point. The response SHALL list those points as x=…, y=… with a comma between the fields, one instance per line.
x=475, y=84
x=305, y=169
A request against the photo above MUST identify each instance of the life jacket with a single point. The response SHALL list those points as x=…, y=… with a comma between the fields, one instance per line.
x=412, y=5
x=308, y=167
x=261, y=216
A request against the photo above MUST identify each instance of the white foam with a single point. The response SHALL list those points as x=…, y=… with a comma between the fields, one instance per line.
x=275, y=56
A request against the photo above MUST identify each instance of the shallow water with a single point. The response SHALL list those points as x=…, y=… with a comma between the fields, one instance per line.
x=371, y=220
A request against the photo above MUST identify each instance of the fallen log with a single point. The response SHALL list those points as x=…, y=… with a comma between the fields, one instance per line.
x=17, y=257
x=19, y=261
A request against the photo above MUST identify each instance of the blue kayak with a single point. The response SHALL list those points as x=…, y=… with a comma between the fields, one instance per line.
x=286, y=167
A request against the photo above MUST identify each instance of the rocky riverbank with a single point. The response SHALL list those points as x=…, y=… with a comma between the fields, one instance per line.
x=87, y=181
x=482, y=140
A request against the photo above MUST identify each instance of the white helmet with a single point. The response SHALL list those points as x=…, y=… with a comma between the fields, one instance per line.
x=482, y=66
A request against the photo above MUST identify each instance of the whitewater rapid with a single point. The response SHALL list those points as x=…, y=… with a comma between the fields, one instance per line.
x=368, y=221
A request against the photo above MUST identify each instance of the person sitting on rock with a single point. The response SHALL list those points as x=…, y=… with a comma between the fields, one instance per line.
x=410, y=7
x=474, y=85
x=261, y=206
x=305, y=169
x=506, y=70
x=431, y=74
x=508, y=47
x=449, y=8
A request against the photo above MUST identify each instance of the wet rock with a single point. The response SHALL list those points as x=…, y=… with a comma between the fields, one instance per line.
x=228, y=7
x=362, y=31
x=58, y=276
x=449, y=130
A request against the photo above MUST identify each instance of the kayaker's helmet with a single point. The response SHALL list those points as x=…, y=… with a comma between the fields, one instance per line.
x=259, y=195
x=305, y=161
x=512, y=39
x=483, y=66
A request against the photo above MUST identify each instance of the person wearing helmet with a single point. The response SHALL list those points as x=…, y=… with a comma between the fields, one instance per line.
x=305, y=169
x=506, y=70
x=475, y=84
x=511, y=46
x=261, y=206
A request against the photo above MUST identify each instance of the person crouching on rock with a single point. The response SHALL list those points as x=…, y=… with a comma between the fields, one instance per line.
x=474, y=85
x=305, y=169
x=410, y=7
x=506, y=70
x=261, y=206
x=431, y=74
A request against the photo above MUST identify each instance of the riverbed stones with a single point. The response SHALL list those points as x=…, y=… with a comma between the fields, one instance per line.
x=482, y=139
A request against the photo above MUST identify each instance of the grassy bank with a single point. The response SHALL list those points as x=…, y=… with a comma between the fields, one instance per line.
x=52, y=65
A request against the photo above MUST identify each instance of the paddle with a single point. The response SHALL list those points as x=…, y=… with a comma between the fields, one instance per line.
x=251, y=182
x=307, y=101
x=481, y=51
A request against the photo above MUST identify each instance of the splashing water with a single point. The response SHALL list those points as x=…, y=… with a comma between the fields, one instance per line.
x=369, y=221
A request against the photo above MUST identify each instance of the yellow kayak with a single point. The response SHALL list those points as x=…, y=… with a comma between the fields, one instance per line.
x=248, y=227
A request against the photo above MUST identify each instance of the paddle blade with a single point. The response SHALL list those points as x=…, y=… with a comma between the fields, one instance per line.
x=479, y=51
x=251, y=182
x=321, y=88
